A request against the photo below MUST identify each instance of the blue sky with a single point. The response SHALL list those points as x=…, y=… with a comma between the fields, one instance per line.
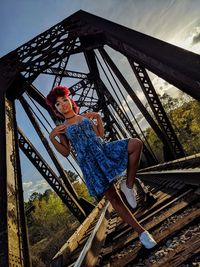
x=169, y=20
x=174, y=21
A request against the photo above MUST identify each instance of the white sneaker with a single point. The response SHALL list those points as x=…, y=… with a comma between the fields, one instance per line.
x=130, y=194
x=147, y=240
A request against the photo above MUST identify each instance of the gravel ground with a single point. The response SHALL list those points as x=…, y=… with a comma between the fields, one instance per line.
x=173, y=242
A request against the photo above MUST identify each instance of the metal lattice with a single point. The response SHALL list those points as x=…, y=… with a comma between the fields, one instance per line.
x=34, y=156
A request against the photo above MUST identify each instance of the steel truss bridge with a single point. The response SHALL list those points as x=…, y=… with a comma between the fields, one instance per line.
x=103, y=87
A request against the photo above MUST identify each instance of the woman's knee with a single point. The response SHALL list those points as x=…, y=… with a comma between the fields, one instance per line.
x=135, y=144
x=112, y=195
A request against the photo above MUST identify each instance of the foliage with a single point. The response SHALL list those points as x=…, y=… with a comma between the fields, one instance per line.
x=49, y=215
x=186, y=122
x=80, y=187
x=155, y=143
x=72, y=176
x=50, y=223
x=82, y=191
x=183, y=113
x=42, y=252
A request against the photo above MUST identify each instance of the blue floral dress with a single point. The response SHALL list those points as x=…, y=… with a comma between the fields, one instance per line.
x=101, y=163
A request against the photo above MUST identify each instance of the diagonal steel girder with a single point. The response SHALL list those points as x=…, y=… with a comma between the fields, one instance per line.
x=103, y=92
x=127, y=122
x=174, y=64
x=42, y=166
x=157, y=108
x=63, y=174
x=66, y=73
x=110, y=101
x=132, y=94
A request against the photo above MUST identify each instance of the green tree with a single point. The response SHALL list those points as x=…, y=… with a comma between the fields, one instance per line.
x=34, y=196
x=82, y=191
x=186, y=123
x=72, y=176
x=49, y=215
x=183, y=113
x=49, y=226
x=155, y=143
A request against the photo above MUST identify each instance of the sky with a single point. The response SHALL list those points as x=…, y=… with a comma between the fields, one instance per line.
x=174, y=21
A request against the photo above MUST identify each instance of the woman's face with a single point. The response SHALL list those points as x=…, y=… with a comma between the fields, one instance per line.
x=63, y=104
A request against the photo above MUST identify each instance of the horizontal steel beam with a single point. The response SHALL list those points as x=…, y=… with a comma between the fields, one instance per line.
x=192, y=161
x=174, y=64
x=189, y=176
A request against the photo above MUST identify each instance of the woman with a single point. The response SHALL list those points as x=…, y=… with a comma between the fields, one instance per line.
x=100, y=162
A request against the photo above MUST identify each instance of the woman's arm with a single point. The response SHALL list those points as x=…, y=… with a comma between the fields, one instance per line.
x=63, y=147
x=98, y=125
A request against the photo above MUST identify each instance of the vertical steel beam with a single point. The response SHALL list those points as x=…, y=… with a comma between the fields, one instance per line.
x=24, y=233
x=4, y=257
x=13, y=235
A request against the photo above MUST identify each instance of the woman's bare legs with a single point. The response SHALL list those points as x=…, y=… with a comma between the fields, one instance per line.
x=134, y=154
x=117, y=203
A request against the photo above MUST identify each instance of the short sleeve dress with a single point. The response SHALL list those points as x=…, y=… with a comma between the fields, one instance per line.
x=101, y=163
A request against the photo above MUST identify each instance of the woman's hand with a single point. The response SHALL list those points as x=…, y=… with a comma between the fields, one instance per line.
x=63, y=146
x=94, y=116
x=57, y=131
x=97, y=122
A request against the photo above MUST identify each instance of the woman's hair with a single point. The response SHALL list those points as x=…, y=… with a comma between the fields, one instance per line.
x=57, y=92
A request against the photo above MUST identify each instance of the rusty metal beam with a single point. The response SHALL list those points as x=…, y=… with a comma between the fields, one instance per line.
x=13, y=235
x=42, y=166
x=24, y=233
x=157, y=108
x=4, y=250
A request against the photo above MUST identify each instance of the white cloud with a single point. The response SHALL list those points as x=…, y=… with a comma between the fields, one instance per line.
x=124, y=104
x=39, y=186
x=141, y=121
x=141, y=96
x=161, y=87
x=27, y=185
x=196, y=35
